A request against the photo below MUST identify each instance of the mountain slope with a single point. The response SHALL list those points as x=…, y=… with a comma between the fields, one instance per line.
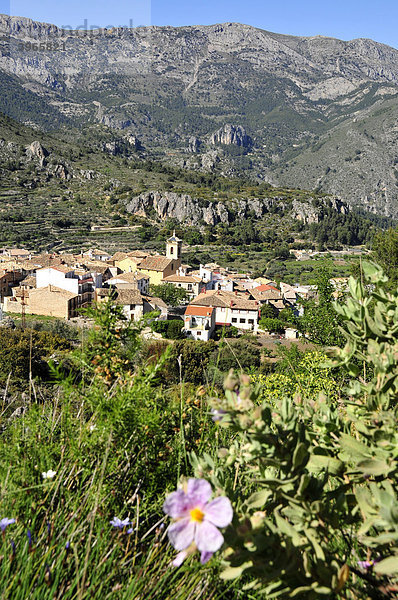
x=301, y=106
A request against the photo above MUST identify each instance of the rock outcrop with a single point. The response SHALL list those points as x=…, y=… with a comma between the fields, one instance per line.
x=193, y=144
x=231, y=135
x=36, y=150
x=193, y=212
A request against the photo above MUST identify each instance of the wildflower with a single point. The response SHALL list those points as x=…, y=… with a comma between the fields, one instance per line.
x=49, y=474
x=67, y=546
x=29, y=536
x=5, y=522
x=217, y=414
x=118, y=523
x=130, y=530
x=93, y=427
x=366, y=564
x=196, y=520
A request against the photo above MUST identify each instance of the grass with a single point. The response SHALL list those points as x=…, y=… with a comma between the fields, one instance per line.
x=117, y=447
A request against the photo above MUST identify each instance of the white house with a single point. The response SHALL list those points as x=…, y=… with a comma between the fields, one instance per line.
x=130, y=281
x=77, y=281
x=133, y=303
x=199, y=322
x=97, y=255
x=230, y=308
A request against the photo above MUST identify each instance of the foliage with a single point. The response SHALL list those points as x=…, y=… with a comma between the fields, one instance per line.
x=23, y=352
x=272, y=324
x=188, y=360
x=115, y=450
x=169, y=329
x=236, y=354
x=320, y=323
x=169, y=293
x=225, y=331
x=268, y=310
x=313, y=482
x=307, y=377
x=385, y=252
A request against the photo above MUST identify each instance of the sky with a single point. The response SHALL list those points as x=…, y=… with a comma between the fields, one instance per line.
x=344, y=19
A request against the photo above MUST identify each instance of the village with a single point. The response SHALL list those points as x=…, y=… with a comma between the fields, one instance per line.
x=61, y=285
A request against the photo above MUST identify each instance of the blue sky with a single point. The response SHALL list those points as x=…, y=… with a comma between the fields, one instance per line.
x=345, y=19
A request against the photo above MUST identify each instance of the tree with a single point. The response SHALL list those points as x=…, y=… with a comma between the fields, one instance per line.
x=272, y=324
x=267, y=310
x=170, y=294
x=169, y=329
x=320, y=322
x=385, y=252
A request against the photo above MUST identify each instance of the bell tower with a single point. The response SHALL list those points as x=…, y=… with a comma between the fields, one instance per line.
x=173, y=248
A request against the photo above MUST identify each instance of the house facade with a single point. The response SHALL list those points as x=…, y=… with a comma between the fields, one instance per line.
x=199, y=322
x=49, y=301
x=230, y=309
x=191, y=284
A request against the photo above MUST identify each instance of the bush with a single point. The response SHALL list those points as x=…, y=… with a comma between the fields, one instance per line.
x=25, y=351
x=272, y=325
x=237, y=354
x=169, y=329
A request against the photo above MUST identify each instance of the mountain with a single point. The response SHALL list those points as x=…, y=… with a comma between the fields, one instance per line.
x=318, y=113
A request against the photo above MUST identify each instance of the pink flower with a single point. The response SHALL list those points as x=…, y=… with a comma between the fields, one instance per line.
x=196, y=520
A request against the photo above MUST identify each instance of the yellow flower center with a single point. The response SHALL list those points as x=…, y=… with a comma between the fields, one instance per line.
x=197, y=515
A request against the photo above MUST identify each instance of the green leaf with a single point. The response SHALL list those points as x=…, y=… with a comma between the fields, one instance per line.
x=258, y=499
x=311, y=535
x=288, y=529
x=300, y=455
x=374, y=467
x=353, y=447
x=388, y=566
x=234, y=572
x=319, y=462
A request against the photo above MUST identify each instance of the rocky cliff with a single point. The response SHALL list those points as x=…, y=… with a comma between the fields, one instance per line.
x=194, y=212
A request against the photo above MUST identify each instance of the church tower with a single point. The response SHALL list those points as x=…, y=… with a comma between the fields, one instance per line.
x=173, y=248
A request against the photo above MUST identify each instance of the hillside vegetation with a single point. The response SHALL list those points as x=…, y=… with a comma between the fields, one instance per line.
x=91, y=451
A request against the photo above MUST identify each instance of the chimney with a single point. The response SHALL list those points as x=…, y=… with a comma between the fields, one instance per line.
x=236, y=292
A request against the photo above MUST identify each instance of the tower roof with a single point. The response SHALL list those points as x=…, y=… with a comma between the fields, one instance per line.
x=174, y=238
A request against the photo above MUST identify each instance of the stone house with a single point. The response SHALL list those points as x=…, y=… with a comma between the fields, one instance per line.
x=77, y=281
x=9, y=279
x=133, y=303
x=190, y=283
x=130, y=281
x=49, y=301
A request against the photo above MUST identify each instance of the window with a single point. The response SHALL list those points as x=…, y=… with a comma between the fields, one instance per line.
x=251, y=321
x=242, y=320
x=189, y=287
x=234, y=320
x=171, y=250
x=199, y=333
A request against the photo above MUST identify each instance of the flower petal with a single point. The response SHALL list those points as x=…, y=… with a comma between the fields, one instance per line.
x=181, y=533
x=207, y=537
x=205, y=557
x=219, y=511
x=179, y=559
x=199, y=491
x=176, y=504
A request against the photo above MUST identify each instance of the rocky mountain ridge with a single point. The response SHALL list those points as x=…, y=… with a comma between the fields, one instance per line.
x=224, y=98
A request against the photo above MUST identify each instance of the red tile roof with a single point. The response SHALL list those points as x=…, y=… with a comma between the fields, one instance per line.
x=199, y=311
